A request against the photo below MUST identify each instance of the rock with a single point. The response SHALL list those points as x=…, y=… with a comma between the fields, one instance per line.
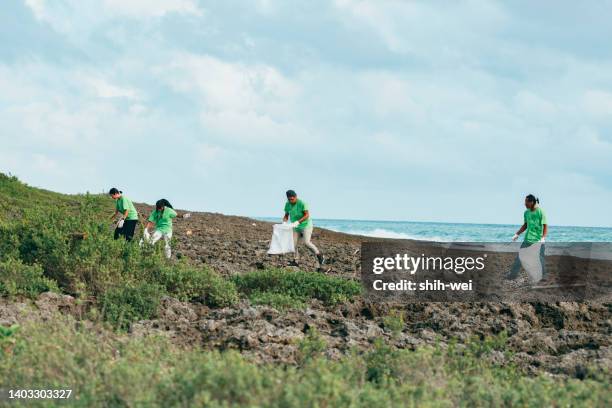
x=373, y=331
x=173, y=310
x=49, y=303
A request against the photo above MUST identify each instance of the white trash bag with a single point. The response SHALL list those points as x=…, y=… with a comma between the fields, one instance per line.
x=146, y=237
x=282, y=239
x=531, y=258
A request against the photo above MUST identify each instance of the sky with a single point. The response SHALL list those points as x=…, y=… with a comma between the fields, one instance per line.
x=445, y=111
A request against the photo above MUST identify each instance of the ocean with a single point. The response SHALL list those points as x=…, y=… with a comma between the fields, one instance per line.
x=455, y=232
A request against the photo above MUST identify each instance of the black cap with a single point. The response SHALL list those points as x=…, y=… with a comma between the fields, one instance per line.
x=114, y=190
x=291, y=193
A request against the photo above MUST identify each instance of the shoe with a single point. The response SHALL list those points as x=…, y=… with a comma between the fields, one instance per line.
x=321, y=259
x=546, y=283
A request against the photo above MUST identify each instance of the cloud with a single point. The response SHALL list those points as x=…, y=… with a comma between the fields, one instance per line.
x=38, y=7
x=152, y=8
x=230, y=86
x=245, y=103
x=105, y=89
x=80, y=17
x=422, y=28
x=532, y=103
x=377, y=99
x=598, y=103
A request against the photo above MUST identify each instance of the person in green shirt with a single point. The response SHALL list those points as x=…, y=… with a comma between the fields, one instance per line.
x=536, y=225
x=534, y=221
x=298, y=213
x=161, y=219
x=127, y=212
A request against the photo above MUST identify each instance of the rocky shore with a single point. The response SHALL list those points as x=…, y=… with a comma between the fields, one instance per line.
x=561, y=339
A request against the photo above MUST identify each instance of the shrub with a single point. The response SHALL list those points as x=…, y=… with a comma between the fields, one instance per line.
x=279, y=301
x=17, y=279
x=221, y=292
x=186, y=282
x=311, y=346
x=125, y=304
x=394, y=322
x=380, y=362
x=107, y=369
x=7, y=338
x=300, y=286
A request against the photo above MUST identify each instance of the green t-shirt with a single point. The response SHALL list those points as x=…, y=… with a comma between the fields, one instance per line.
x=163, y=220
x=535, y=221
x=124, y=203
x=296, y=211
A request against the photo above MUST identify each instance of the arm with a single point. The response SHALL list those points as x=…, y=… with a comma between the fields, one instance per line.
x=519, y=232
x=125, y=214
x=305, y=217
x=149, y=224
x=114, y=214
x=545, y=231
x=286, y=217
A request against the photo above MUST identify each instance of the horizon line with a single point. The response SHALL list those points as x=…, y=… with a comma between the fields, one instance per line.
x=436, y=222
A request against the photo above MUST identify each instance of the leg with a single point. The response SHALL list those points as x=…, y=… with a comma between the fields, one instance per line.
x=129, y=227
x=118, y=232
x=307, y=234
x=157, y=235
x=543, y=262
x=296, y=242
x=167, y=250
x=514, y=270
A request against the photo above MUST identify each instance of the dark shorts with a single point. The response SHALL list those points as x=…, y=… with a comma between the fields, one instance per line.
x=127, y=231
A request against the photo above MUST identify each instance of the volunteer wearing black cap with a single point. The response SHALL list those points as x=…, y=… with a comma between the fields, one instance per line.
x=297, y=212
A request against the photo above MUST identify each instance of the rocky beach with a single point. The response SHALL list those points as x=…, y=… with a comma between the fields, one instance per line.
x=563, y=338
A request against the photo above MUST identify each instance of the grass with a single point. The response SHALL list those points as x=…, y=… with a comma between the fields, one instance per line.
x=395, y=322
x=126, y=304
x=18, y=279
x=63, y=243
x=295, y=288
x=56, y=242
x=59, y=242
x=106, y=369
x=279, y=301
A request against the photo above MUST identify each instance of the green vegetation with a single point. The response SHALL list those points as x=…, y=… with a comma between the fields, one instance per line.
x=394, y=322
x=123, y=305
x=7, y=338
x=311, y=347
x=279, y=301
x=106, y=369
x=188, y=283
x=51, y=241
x=290, y=288
x=55, y=242
x=17, y=279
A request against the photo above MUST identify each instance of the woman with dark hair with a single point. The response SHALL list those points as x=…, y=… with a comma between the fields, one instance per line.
x=128, y=215
x=534, y=221
x=531, y=253
x=161, y=218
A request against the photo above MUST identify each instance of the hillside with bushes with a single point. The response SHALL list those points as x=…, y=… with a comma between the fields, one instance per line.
x=223, y=324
